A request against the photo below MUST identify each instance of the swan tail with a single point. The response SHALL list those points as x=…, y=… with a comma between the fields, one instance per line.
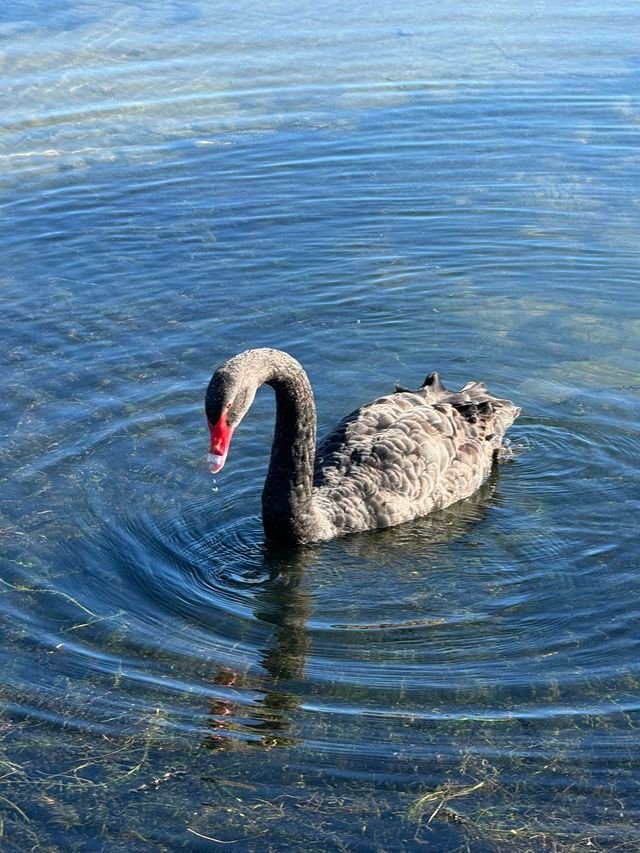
x=492, y=414
x=476, y=404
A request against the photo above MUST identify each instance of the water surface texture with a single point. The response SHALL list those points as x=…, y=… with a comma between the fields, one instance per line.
x=382, y=190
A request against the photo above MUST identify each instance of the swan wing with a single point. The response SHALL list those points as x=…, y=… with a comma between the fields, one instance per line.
x=408, y=453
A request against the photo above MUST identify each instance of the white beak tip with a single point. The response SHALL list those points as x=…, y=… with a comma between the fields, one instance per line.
x=215, y=462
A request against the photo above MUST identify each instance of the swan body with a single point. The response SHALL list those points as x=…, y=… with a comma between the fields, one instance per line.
x=397, y=458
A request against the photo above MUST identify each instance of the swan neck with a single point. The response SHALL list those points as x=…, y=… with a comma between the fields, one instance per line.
x=287, y=496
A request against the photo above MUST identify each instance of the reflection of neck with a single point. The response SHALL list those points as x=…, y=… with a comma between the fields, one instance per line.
x=285, y=606
x=281, y=604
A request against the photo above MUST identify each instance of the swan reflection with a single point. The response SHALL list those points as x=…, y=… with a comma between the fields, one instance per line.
x=285, y=605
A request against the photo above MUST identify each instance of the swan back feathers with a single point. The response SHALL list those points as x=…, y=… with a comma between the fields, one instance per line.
x=409, y=453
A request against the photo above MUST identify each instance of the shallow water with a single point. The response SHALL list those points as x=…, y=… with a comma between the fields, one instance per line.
x=381, y=192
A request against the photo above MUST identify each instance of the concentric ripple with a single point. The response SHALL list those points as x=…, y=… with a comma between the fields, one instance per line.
x=417, y=621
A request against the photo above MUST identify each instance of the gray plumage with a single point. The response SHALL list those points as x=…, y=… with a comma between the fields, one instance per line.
x=392, y=460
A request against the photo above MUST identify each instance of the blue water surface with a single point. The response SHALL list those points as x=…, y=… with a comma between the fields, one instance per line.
x=382, y=191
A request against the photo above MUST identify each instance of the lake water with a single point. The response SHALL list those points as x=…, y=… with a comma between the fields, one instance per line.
x=381, y=191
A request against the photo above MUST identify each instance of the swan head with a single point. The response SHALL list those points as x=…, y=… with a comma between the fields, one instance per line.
x=228, y=399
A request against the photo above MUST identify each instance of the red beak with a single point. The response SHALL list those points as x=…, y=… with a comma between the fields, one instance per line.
x=221, y=434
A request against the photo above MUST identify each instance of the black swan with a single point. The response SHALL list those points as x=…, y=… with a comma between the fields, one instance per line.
x=392, y=460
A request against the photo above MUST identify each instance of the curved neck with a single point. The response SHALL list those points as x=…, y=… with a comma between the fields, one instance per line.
x=287, y=510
